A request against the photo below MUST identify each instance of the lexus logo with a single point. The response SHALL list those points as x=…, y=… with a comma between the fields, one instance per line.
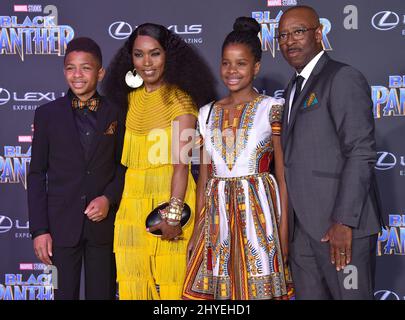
x=386, y=295
x=386, y=161
x=4, y=96
x=5, y=224
x=120, y=30
x=385, y=20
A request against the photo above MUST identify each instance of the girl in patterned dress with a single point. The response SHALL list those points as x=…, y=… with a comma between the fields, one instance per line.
x=239, y=245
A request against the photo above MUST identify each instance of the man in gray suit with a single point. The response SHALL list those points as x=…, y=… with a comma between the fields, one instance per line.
x=329, y=151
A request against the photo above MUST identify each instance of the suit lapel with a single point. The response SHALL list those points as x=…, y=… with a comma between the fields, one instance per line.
x=69, y=120
x=102, y=118
x=298, y=103
x=308, y=86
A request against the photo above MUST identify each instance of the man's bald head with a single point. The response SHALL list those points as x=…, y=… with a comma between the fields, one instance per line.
x=309, y=13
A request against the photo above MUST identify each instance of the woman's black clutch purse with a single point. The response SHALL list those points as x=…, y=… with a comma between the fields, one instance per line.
x=155, y=218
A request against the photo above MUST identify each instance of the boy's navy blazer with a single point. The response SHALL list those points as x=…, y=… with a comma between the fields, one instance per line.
x=61, y=183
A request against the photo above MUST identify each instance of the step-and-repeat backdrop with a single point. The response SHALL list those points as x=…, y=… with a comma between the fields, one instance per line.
x=369, y=35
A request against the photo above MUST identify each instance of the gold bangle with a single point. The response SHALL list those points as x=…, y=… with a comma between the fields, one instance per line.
x=163, y=213
x=176, y=202
x=174, y=216
x=172, y=213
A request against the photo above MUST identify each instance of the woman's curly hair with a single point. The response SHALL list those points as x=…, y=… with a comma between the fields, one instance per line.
x=184, y=67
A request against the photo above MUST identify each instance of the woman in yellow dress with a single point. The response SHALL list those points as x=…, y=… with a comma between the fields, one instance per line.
x=160, y=80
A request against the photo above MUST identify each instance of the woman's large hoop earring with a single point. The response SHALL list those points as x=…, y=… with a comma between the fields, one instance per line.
x=133, y=79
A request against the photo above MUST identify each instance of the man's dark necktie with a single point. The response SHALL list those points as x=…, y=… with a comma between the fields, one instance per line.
x=298, y=87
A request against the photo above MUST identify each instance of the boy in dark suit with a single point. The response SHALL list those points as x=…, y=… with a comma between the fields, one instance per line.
x=76, y=179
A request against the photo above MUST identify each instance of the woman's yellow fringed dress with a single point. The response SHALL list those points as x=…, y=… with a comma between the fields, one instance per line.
x=148, y=267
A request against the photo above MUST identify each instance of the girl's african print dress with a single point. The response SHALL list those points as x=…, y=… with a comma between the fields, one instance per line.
x=238, y=254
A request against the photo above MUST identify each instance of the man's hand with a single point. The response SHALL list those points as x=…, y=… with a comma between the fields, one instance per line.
x=43, y=248
x=168, y=232
x=97, y=209
x=340, y=243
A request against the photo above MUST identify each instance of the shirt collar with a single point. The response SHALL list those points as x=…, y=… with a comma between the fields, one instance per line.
x=306, y=72
x=71, y=95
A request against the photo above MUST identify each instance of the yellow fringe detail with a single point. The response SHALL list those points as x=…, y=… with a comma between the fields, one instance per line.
x=157, y=109
x=150, y=183
x=170, y=292
x=141, y=290
x=147, y=151
x=144, y=260
x=146, y=290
